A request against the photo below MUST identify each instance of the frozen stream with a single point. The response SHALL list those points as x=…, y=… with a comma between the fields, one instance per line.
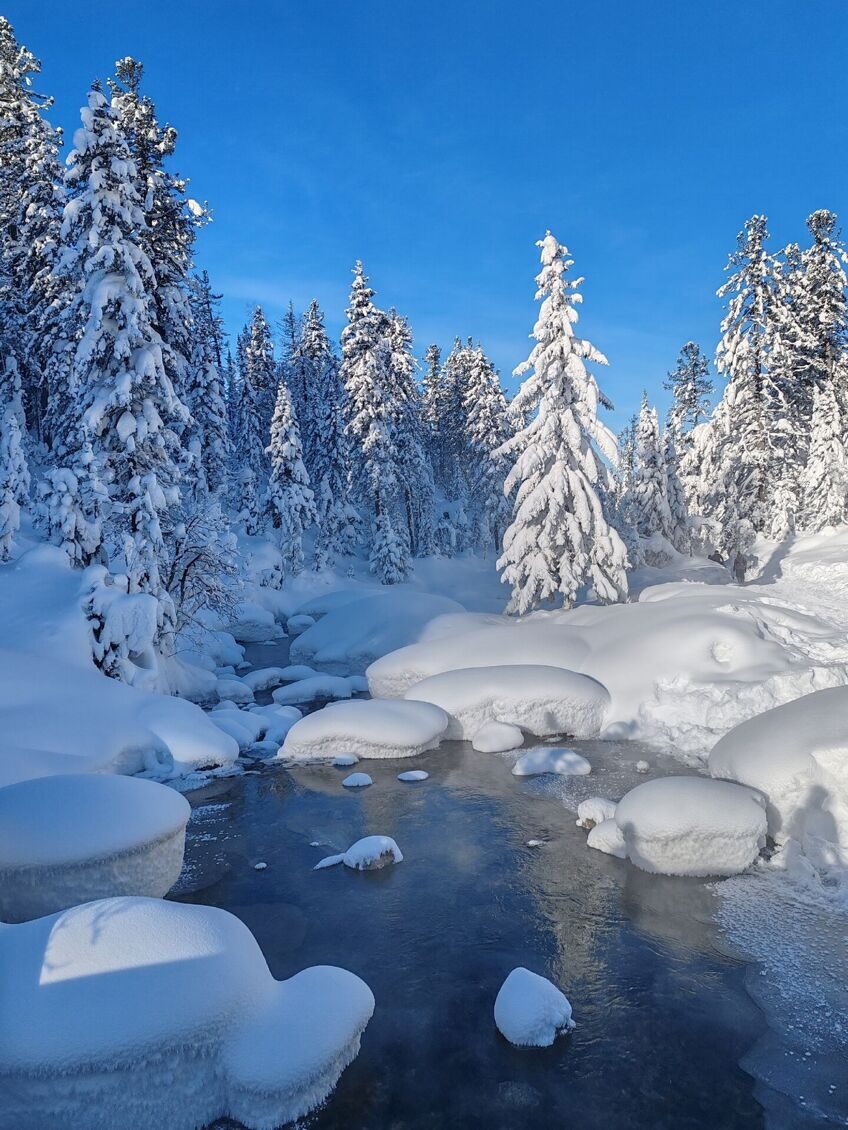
x=664, y=1016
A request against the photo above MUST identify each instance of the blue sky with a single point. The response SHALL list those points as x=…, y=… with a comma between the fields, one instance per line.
x=437, y=142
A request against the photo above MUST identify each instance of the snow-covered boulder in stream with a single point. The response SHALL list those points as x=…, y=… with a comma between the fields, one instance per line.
x=150, y=1014
x=594, y=810
x=368, y=728
x=70, y=839
x=541, y=700
x=497, y=737
x=530, y=1011
x=692, y=826
x=319, y=688
x=607, y=837
x=368, y=854
x=797, y=754
x=355, y=633
x=548, y=759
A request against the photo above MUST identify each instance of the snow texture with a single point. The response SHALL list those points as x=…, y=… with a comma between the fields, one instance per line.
x=594, y=810
x=368, y=854
x=143, y=1013
x=544, y=759
x=318, y=688
x=530, y=1011
x=607, y=837
x=357, y=781
x=413, y=775
x=497, y=737
x=366, y=728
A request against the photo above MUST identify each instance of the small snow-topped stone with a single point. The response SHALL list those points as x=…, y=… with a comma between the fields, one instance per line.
x=642, y=767
x=607, y=837
x=497, y=737
x=542, y=700
x=594, y=810
x=314, y=689
x=259, y=866
x=344, y=760
x=368, y=854
x=692, y=826
x=530, y=1011
x=233, y=690
x=413, y=775
x=368, y=727
x=76, y=837
x=297, y=625
x=544, y=759
x=357, y=781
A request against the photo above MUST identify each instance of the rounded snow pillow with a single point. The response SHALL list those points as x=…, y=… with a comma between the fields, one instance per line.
x=530, y=1011
x=71, y=838
x=368, y=728
x=692, y=826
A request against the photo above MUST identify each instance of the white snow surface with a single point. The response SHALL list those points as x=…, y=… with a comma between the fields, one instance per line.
x=367, y=728
x=692, y=826
x=143, y=1013
x=317, y=688
x=683, y=664
x=549, y=759
x=497, y=737
x=70, y=839
x=358, y=781
x=797, y=754
x=413, y=775
x=530, y=1011
x=540, y=699
x=368, y=854
x=356, y=632
x=608, y=838
x=594, y=810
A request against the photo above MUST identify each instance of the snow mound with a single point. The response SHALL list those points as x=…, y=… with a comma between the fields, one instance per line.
x=231, y=689
x=594, y=811
x=317, y=688
x=264, y=678
x=254, y=624
x=357, y=781
x=413, y=775
x=797, y=754
x=367, y=728
x=682, y=665
x=541, y=700
x=143, y=1013
x=70, y=839
x=355, y=633
x=607, y=837
x=530, y=1011
x=497, y=737
x=344, y=760
x=692, y=826
x=368, y=854
x=546, y=759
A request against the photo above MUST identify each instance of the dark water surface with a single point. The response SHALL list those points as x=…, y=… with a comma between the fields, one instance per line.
x=662, y=1014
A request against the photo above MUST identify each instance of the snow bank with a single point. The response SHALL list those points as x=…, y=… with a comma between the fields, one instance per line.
x=546, y=759
x=692, y=826
x=797, y=754
x=541, y=700
x=530, y=1011
x=367, y=728
x=368, y=854
x=683, y=665
x=143, y=1013
x=356, y=632
x=67, y=840
x=497, y=737
x=594, y=811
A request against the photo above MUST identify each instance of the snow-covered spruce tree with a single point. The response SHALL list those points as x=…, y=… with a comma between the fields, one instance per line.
x=486, y=430
x=14, y=480
x=826, y=473
x=650, y=507
x=415, y=473
x=171, y=219
x=823, y=301
x=30, y=215
x=256, y=408
x=431, y=404
x=452, y=422
x=290, y=503
x=371, y=430
x=208, y=432
x=680, y=534
x=128, y=408
x=73, y=502
x=691, y=386
x=559, y=539
x=336, y=518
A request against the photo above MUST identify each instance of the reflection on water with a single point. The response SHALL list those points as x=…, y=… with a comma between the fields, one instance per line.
x=663, y=1017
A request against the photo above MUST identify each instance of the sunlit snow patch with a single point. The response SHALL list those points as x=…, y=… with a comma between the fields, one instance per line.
x=530, y=1011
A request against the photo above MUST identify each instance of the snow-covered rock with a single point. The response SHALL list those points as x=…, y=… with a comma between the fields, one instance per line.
x=358, y=781
x=134, y=1012
x=797, y=754
x=497, y=737
x=413, y=775
x=549, y=759
x=254, y=624
x=246, y=727
x=692, y=826
x=317, y=688
x=541, y=700
x=367, y=728
x=278, y=720
x=264, y=678
x=344, y=760
x=608, y=838
x=233, y=690
x=70, y=839
x=530, y=1011
x=356, y=632
x=368, y=854
x=594, y=810
x=296, y=625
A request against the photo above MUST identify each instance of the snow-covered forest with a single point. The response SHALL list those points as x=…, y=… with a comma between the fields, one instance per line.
x=248, y=560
